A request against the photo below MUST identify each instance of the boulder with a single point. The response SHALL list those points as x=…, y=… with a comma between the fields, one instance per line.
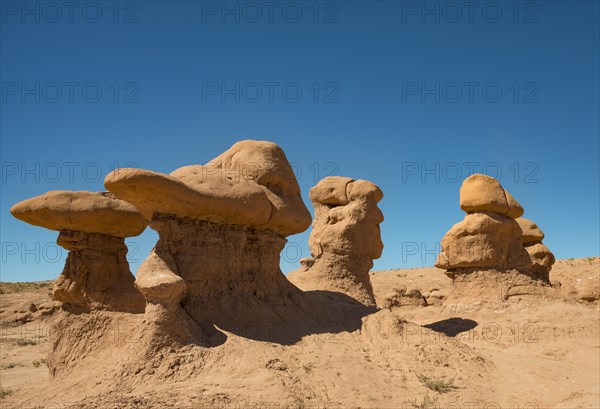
x=542, y=260
x=437, y=297
x=403, y=297
x=532, y=234
x=157, y=281
x=484, y=193
x=483, y=240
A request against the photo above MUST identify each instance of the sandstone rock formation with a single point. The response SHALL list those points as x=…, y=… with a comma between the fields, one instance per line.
x=482, y=240
x=542, y=258
x=221, y=229
x=93, y=227
x=214, y=270
x=485, y=253
x=344, y=240
x=480, y=193
x=402, y=296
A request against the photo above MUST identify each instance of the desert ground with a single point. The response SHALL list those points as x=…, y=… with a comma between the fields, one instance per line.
x=412, y=352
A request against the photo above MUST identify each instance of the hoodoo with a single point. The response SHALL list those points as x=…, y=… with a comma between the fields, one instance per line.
x=485, y=253
x=345, y=238
x=93, y=227
x=542, y=258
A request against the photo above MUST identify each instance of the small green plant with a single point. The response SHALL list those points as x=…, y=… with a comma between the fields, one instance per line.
x=439, y=385
x=426, y=403
x=25, y=342
x=10, y=365
x=38, y=362
x=4, y=392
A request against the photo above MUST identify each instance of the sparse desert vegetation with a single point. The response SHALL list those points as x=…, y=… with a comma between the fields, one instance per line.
x=439, y=385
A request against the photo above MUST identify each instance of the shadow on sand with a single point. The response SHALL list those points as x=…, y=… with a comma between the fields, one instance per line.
x=452, y=326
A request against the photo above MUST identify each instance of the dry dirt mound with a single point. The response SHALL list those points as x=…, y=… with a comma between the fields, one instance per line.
x=536, y=351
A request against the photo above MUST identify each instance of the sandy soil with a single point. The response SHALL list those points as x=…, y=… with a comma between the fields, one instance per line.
x=536, y=352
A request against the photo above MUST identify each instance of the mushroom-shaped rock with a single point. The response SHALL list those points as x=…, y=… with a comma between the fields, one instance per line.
x=221, y=229
x=344, y=240
x=215, y=201
x=484, y=193
x=89, y=212
x=93, y=227
x=251, y=184
x=265, y=164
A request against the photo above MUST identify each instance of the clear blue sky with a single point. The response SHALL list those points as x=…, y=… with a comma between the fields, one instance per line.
x=390, y=92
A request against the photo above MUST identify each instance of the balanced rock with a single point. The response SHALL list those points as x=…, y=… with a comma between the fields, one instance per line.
x=484, y=193
x=541, y=257
x=93, y=227
x=344, y=240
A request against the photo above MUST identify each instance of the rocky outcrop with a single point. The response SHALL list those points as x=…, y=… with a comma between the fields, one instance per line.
x=402, y=296
x=541, y=257
x=481, y=193
x=344, y=240
x=213, y=272
x=483, y=240
x=221, y=228
x=485, y=253
x=93, y=227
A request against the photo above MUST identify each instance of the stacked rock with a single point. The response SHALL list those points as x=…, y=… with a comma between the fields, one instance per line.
x=221, y=228
x=344, y=240
x=488, y=237
x=93, y=227
x=542, y=258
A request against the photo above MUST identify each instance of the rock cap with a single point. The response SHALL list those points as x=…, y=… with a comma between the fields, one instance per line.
x=252, y=184
x=89, y=212
x=484, y=193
